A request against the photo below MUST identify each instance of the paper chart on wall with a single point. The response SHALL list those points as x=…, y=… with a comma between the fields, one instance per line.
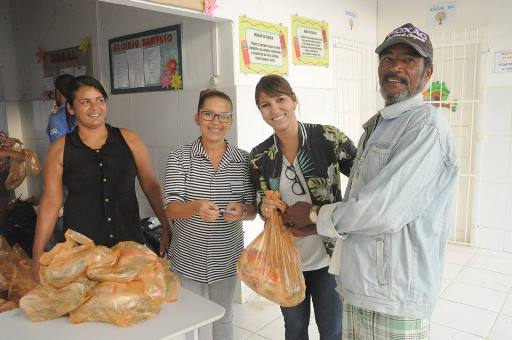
x=135, y=58
x=310, y=41
x=152, y=63
x=263, y=47
x=120, y=70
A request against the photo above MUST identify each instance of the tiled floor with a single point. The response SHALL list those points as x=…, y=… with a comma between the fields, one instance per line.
x=475, y=302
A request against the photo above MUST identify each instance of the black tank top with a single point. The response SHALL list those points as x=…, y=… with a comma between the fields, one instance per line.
x=101, y=203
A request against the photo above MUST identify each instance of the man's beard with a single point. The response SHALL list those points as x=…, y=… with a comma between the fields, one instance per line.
x=398, y=97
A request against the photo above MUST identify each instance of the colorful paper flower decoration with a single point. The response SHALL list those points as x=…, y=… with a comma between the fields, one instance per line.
x=165, y=79
x=41, y=55
x=176, y=81
x=172, y=65
x=209, y=7
x=85, y=44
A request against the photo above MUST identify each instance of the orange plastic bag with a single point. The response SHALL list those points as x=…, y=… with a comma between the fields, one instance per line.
x=32, y=163
x=15, y=275
x=271, y=265
x=46, y=303
x=17, y=174
x=132, y=258
x=69, y=260
x=7, y=305
x=124, y=304
x=159, y=282
x=21, y=281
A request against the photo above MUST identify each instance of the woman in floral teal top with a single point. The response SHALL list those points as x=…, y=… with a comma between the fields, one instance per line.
x=303, y=162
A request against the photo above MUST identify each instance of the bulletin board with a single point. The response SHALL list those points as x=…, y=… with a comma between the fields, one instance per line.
x=146, y=61
x=69, y=60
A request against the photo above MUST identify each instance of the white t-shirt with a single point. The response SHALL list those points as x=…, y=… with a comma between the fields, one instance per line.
x=311, y=248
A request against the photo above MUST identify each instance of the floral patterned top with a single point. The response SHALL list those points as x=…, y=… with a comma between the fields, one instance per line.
x=324, y=152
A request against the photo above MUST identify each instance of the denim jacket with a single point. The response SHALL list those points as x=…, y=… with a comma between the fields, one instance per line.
x=397, y=213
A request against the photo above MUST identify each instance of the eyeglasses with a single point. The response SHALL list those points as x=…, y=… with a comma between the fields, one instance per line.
x=224, y=117
x=291, y=174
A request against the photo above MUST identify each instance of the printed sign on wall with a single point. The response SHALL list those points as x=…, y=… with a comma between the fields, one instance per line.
x=263, y=47
x=310, y=42
x=442, y=14
x=503, y=61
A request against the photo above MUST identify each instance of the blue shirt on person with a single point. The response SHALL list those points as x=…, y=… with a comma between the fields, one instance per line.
x=58, y=124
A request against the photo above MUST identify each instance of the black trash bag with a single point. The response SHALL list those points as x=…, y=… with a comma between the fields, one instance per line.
x=152, y=231
x=21, y=225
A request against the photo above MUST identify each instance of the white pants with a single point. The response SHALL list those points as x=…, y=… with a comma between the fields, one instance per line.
x=221, y=292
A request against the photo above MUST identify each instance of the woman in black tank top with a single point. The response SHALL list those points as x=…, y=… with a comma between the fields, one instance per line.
x=98, y=164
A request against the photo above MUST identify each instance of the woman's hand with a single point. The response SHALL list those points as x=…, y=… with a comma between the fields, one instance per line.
x=16, y=155
x=208, y=211
x=165, y=241
x=234, y=212
x=35, y=270
x=268, y=205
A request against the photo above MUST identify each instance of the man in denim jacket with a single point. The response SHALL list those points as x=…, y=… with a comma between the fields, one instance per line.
x=393, y=224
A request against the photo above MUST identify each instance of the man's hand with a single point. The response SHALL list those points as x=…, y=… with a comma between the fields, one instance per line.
x=302, y=232
x=297, y=215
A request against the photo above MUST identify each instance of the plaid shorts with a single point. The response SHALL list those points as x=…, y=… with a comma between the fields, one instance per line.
x=363, y=324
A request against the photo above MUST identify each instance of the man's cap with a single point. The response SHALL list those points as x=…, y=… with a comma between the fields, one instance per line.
x=410, y=35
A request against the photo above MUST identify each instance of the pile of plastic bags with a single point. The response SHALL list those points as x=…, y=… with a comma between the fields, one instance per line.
x=124, y=285
x=271, y=265
x=15, y=276
x=18, y=170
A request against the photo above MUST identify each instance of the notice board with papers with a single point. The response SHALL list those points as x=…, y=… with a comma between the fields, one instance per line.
x=146, y=61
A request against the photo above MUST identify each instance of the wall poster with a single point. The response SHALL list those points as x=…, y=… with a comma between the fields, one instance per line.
x=310, y=40
x=263, y=47
x=146, y=61
x=503, y=61
x=64, y=61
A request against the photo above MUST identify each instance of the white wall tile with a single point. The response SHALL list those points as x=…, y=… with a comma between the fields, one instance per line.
x=507, y=307
x=161, y=155
x=167, y=118
x=486, y=279
x=495, y=159
x=463, y=317
x=440, y=332
x=507, y=242
x=251, y=126
x=497, y=112
x=475, y=296
x=493, y=204
x=492, y=260
x=120, y=112
x=187, y=129
x=144, y=106
x=489, y=238
x=502, y=330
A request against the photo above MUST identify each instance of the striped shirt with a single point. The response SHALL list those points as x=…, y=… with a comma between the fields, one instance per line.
x=201, y=250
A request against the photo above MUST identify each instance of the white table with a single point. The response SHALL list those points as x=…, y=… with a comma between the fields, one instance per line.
x=174, y=320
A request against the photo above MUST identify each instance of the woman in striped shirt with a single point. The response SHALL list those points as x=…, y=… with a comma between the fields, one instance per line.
x=208, y=193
